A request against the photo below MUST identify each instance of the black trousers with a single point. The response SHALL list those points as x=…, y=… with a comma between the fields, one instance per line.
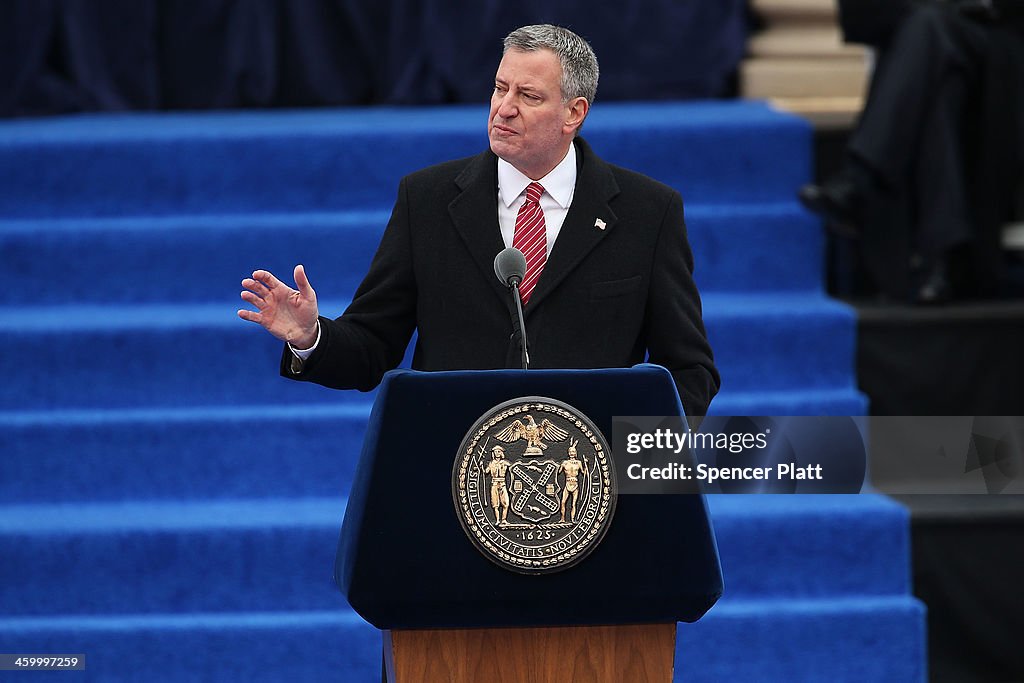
x=913, y=132
x=942, y=131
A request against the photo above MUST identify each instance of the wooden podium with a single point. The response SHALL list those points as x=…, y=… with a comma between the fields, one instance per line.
x=596, y=654
x=447, y=612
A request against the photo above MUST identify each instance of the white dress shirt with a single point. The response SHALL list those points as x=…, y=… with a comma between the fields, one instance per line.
x=559, y=187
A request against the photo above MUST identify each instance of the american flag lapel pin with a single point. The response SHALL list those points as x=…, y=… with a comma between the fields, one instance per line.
x=599, y=224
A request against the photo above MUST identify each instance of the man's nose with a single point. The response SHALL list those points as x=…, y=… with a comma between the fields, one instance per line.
x=507, y=108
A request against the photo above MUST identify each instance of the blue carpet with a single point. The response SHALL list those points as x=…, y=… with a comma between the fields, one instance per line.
x=170, y=506
x=216, y=647
x=834, y=401
x=228, y=452
x=205, y=256
x=169, y=164
x=276, y=554
x=160, y=355
x=841, y=641
x=158, y=557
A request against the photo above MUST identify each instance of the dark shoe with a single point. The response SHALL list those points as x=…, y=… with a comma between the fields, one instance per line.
x=936, y=286
x=839, y=201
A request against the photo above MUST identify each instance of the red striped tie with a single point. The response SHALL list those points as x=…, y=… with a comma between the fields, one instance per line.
x=531, y=238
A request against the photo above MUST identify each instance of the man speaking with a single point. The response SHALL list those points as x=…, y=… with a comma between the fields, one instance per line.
x=609, y=272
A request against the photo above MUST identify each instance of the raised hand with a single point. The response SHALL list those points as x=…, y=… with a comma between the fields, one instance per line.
x=288, y=314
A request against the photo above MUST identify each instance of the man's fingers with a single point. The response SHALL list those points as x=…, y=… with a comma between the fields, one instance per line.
x=251, y=316
x=267, y=278
x=257, y=287
x=302, y=282
x=254, y=300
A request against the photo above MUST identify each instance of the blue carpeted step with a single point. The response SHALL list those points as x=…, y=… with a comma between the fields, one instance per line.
x=160, y=164
x=755, y=247
x=203, y=258
x=774, y=342
x=234, y=452
x=180, y=259
x=209, y=453
x=230, y=452
x=155, y=557
x=320, y=645
x=853, y=640
x=839, y=401
x=144, y=356
x=841, y=641
x=811, y=546
x=232, y=555
x=182, y=355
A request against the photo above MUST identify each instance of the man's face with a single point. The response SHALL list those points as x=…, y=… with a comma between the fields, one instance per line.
x=530, y=127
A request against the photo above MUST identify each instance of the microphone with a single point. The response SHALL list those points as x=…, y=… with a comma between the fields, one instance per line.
x=510, y=267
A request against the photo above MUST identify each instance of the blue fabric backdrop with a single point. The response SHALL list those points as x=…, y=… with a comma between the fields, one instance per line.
x=60, y=56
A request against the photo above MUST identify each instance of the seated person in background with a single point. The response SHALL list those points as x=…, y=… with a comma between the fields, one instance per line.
x=933, y=162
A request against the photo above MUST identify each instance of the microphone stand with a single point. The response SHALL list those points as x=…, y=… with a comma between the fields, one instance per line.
x=510, y=267
x=522, y=322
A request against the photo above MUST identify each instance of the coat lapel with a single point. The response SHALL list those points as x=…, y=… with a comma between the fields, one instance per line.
x=474, y=212
x=582, y=229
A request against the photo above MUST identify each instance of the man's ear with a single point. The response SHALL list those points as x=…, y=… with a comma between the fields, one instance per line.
x=577, y=111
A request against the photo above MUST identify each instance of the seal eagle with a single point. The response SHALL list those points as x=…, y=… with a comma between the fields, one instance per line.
x=533, y=433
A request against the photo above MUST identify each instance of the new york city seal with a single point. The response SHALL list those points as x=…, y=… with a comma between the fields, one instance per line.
x=534, y=485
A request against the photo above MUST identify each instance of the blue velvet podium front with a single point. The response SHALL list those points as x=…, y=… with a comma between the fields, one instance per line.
x=404, y=561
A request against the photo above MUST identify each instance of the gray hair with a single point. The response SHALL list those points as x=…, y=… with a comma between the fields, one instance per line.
x=579, y=63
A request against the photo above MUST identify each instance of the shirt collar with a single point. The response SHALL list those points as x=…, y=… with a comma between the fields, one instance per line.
x=560, y=182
